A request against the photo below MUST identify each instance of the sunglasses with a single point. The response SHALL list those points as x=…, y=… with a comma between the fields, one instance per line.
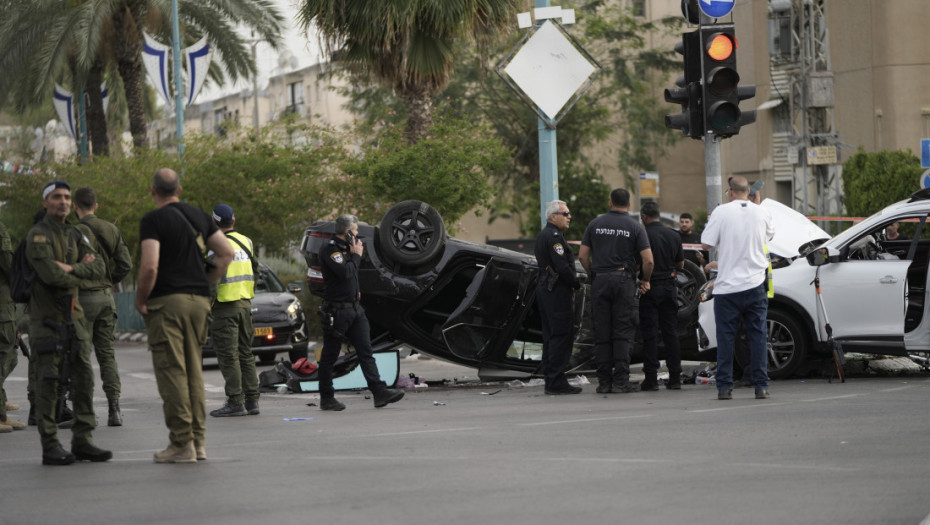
x=563, y=213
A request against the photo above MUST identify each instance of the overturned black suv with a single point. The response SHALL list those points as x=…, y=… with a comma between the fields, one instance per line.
x=469, y=303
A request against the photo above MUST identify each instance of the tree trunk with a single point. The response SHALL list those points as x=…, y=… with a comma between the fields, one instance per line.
x=129, y=64
x=96, y=117
x=419, y=102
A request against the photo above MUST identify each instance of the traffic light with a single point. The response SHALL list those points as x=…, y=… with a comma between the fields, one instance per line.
x=720, y=81
x=688, y=93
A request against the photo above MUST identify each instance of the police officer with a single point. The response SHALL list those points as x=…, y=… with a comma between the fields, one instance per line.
x=609, y=251
x=340, y=259
x=63, y=260
x=658, y=309
x=97, y=296
x=554, y=288
x=231, y=328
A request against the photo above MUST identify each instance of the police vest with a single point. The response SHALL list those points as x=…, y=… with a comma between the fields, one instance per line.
x=769, y=283
x=238, y=283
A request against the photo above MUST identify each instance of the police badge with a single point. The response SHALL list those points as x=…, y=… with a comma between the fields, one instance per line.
x=559, y=249
x=337, y=257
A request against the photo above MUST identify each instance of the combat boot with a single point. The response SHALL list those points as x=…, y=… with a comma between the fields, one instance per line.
x=330, y=403
x=115, y=417
x=57, y=455
x=5, y=429
x=230, y=409
x=251, y=406
x=89, y=452
x=11, y=407
x=12, y=423
x=178, y=454
x=387, y=395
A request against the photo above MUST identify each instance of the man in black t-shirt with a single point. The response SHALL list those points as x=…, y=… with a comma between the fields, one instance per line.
x=609, y=251
x=173, y=296
x=658, y=309
x=689, y=236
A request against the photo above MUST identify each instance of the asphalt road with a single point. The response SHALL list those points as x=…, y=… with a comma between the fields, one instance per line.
x=814, y=453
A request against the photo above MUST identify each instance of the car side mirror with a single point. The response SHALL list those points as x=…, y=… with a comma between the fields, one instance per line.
x=294, y=288
x=822, y=256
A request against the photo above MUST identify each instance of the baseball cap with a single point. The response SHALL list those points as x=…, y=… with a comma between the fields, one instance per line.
x=223, y=213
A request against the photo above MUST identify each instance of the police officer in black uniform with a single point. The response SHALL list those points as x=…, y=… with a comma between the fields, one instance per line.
x=608, y=253
x=554, y=288
x=658, y=309
x=340, y=259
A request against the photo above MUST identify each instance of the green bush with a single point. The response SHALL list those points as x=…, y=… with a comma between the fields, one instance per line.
x=872, y=181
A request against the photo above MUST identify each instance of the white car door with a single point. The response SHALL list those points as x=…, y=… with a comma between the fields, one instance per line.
x=865, y=298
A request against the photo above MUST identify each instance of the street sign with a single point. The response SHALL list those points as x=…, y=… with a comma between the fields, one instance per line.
x=925, y=179
x=821, y=155
x=649, y=185
x=716, y=8
x=925, y=153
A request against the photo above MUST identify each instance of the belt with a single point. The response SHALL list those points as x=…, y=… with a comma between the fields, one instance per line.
x=340, y=306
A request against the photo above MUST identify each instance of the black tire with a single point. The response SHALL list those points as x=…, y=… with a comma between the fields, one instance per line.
x=690, y=280
x=412, y=234
x=787, y=342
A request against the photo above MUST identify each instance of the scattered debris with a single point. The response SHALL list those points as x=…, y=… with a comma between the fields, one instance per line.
x=311, y=404
x=516, y=383
x=578, y=380
x=438, y=404
x=300, y=419
x=490, y=393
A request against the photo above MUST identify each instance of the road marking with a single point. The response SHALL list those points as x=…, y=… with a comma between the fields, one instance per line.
x=757, y=405
x=143, y=375
x=830, y=398
x=799, y=467
x=898, y=389
x=414, y=432
x=615, y=418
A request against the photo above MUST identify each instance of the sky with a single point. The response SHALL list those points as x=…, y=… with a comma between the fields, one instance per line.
x=304, y=53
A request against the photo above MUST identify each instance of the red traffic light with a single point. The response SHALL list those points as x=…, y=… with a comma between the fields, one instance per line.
x=721, y=46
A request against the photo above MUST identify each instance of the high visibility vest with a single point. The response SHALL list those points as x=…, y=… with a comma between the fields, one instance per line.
x=769, y=283
x=238, y=283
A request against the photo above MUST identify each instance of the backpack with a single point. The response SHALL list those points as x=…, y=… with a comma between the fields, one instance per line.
x=21, y=275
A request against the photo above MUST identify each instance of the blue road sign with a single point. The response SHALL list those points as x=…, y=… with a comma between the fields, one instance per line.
x=925, y=153
x=925, y=179
x=716, y=8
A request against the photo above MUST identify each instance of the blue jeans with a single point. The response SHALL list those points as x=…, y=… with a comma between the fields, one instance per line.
x=750, y=306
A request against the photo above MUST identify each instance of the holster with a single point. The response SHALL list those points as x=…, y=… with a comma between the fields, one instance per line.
x=553, y=278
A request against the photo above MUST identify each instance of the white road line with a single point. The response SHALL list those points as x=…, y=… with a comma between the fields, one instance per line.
x=797, y=467
x=830, y=398
x=737, y=407
x=614, y=418
x=414, y=432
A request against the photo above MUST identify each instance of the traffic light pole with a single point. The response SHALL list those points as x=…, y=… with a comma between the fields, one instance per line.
x=712, y=171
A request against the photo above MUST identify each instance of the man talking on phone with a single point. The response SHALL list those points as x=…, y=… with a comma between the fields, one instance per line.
x=344, y=318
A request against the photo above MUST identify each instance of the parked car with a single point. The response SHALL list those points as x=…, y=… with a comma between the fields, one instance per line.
x=278, y=320
x=874, y=289
x=465, y=302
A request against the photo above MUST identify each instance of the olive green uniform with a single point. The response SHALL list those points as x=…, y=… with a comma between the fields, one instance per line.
x=7, y=321
x=232, y=333
x=97, y=298
x=54, y=291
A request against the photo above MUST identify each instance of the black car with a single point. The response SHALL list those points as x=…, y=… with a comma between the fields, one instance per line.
x=278, y=318
x=466, y=302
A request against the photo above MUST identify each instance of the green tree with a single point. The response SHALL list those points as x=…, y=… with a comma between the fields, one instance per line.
x=872, y=181
x=407, y=45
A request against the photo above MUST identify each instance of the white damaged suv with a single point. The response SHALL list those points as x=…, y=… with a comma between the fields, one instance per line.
x=874, y=288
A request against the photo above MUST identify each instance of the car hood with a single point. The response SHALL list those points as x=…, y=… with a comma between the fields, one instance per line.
x=792, y=229
x=271, y=306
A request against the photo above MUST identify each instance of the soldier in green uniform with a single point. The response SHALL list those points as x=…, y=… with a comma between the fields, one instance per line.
x=7, y=330
x=62, y=259
x=97, y=297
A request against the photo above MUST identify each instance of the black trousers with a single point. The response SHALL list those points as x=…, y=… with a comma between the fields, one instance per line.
x=658, y=310
x=616, y=314
x=556, y=309
x=352, y=323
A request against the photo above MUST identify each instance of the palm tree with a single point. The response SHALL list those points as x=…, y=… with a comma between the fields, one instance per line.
x=408, y=45
x=41, y=40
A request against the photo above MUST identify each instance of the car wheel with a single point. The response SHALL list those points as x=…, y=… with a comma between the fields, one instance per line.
x=786, y=344
x=690, y=280
x=412, y=233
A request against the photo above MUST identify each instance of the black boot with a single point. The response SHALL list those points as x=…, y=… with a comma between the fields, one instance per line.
x=88, y=452
x=56, y=455
x=115, y=417
x=65, y=417
x=387, y=395
x=32, y=415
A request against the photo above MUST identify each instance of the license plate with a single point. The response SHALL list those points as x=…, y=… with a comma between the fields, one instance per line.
x=264, y=330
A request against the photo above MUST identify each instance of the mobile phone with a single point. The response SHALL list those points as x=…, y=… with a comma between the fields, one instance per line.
x=350, y=238
x=756, y=186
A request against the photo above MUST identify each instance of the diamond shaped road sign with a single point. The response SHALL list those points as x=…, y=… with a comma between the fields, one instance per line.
x=550, y=71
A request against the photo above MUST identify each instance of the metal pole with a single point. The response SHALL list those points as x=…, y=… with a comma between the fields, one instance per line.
x=548, y=165
x=712, y=171
x=254, y=84
x=178, y=85
x=82, y=121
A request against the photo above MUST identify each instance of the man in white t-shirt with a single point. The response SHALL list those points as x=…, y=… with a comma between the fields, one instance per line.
x=739, y=231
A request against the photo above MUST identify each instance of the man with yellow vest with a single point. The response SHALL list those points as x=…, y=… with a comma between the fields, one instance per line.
x=231, y=329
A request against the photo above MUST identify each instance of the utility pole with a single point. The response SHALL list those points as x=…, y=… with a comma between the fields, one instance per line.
x=178, y=89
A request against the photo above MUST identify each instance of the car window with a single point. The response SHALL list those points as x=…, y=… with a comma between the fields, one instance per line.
x=268, y=282
x=890, y=240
